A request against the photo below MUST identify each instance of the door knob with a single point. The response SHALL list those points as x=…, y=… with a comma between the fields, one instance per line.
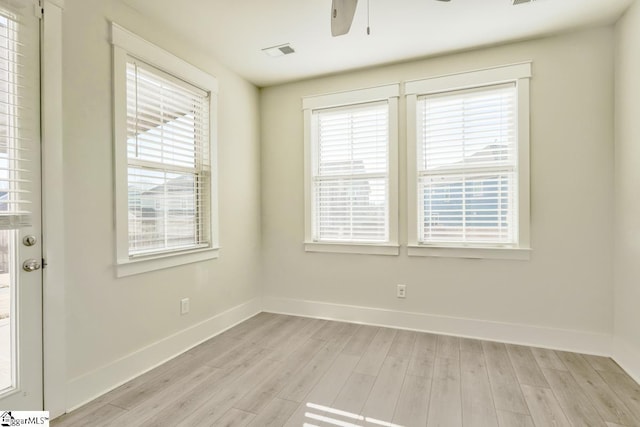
x=31, y=265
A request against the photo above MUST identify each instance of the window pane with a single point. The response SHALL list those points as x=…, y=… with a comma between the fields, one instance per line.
x=8, y=318
x=478, y=208
x=165, y=123
x=468, y=129
x=354, y=140
x=17, y=119
x=163, y=210
x=352, y=210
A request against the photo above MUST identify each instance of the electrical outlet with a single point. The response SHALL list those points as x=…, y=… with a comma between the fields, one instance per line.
x=401, y=291
x=184, y=305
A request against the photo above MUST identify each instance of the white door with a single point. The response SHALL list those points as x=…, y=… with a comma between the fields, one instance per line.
x=20, y=215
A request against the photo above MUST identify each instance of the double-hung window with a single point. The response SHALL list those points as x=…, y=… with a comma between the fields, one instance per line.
x=468, y=164
x=351, y=179
x=165, y=186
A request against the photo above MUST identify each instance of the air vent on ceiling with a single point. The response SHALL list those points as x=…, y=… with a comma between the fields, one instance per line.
x=280, y=50
x=516, y=2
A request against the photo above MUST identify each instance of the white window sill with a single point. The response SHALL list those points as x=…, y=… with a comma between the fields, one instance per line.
x=129, y=267
x=353, y=248
x=518, y=254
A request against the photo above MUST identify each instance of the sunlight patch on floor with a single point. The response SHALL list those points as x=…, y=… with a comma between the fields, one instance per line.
x=327, y=416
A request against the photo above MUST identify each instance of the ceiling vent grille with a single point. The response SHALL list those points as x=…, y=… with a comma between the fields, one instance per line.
x=280, y=50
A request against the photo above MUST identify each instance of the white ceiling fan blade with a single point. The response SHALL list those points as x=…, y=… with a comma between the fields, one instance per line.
x=342, y=13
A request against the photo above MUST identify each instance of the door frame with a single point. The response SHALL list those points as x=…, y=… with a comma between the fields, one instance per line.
x=54, y=356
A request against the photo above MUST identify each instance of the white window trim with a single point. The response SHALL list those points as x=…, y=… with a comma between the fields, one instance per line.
x=475, y=252
x=388, y=93
x=520, y=74
x=127, y=44
x=353, y=248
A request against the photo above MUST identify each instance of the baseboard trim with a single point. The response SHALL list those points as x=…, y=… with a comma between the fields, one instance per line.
x=87, y=387
x=536, y=336
x=628, y=357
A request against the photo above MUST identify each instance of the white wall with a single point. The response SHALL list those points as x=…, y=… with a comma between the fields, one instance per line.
x=627, y=190
x=109, y=319
x=566, y=284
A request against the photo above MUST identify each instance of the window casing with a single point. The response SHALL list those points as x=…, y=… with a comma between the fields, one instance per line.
x=164, y=129
x=468, y=164
x=351, y=175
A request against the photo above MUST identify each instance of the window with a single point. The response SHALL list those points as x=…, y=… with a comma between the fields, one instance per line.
x=165, y=181
x=168, y=162
x=351, y=182
x=18, y=112
x=468, y=164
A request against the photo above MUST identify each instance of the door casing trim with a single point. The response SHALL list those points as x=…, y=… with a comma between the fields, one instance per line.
x=53, y=299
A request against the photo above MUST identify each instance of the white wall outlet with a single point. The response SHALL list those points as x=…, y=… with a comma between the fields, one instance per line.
x=184, y=305
x=401, y=291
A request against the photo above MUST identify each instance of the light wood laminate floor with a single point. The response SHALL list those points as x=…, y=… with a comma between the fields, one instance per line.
x=275, y=370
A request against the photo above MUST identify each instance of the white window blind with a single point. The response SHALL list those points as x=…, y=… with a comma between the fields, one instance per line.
x=350, y=177
x=168, y=162
x=19, y=116
x=467, y=166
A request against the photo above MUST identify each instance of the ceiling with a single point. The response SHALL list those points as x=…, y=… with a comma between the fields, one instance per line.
x=235, y=31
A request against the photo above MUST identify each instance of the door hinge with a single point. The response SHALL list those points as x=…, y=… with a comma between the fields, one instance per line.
x=38, y=11
x=44, y=263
